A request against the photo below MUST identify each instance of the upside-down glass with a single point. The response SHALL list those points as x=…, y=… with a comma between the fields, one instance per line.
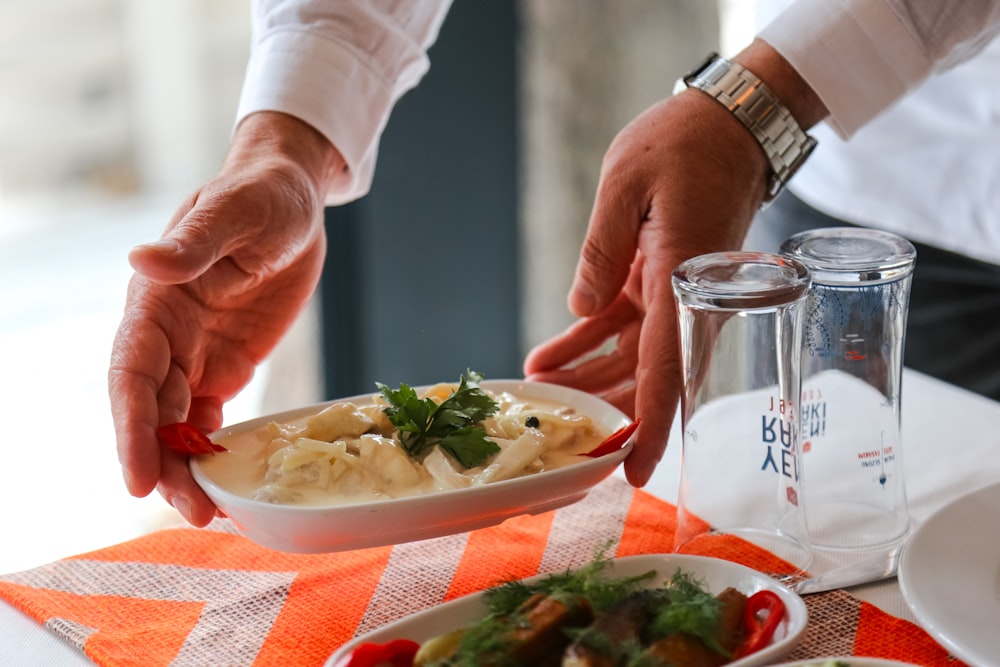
x=740, y=318
x=851, y=381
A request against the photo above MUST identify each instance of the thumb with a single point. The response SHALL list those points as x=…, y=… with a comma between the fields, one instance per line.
x=608, y=251
x=185, y=252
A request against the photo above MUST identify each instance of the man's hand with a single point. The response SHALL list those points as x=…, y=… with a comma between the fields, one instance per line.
x=211, y=298
x=683, y=179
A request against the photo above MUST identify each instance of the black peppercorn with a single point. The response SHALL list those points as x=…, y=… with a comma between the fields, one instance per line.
x=532, y=422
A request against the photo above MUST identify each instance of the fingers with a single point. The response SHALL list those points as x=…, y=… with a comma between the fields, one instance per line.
x=656, y=398
x=581, y=338
x=620, y=207
x=140, y=363
x=650, y=444
x=178, y=488
x=176, y=484
x=641, y=374
x=602, y=374
x=148, y=391
x=641, y=377
x=205, y=413
x=659, y=381
x=623, y=398
x=135, y=432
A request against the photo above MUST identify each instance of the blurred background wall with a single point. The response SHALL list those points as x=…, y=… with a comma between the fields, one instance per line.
x=469, y=237
x=111, y=111
x=109, y=99
x=586, y=69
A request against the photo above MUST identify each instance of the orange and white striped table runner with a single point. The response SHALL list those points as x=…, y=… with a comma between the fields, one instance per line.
x=189, y=597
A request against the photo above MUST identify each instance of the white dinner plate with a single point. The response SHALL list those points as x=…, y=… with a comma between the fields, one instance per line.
x=849, y=661
x=301, y=529
x=949, y=573
x=715, y=573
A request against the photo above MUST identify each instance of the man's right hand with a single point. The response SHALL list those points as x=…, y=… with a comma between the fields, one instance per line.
x=212, y=297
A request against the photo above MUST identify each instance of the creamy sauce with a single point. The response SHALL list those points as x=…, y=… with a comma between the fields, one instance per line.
x=350, y=453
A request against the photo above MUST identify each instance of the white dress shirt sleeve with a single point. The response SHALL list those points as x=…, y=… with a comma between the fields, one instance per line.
x=860, y=56
x=339, y=66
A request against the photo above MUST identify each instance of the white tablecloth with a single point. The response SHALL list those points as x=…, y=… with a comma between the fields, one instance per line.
x=950, y=446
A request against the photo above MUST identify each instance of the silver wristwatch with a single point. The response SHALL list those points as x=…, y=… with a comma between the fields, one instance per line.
x=736, y=88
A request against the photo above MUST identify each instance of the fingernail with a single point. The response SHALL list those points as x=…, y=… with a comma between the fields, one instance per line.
x=182, y=505
x=129, y=483
x=165, y=245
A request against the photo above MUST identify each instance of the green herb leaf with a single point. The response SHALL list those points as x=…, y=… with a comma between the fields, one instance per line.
x=490, y=635
x=469, y=445
x=454, y=424
x=691, y=609
x=590, y=581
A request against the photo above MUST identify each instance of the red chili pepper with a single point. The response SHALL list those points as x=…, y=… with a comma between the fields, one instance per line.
x=396, y=653
x=184, y=438
x=759, y=629
x=615, y=441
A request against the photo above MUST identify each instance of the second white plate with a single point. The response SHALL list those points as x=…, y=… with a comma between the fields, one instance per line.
x=949, y=574
x=847, y=661
x=717, y=575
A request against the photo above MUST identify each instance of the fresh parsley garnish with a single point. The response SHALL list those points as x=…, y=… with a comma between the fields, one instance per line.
x=453, y=424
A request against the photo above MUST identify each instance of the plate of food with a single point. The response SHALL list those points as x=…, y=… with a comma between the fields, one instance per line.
x=404, y=464
x=676, y=608
x=949, y=573
x=847, y=661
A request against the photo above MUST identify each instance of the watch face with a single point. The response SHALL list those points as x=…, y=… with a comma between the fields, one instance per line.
x=702, y=66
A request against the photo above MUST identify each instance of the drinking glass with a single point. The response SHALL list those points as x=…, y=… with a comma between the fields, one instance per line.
x=851, y=384
x=740, y=319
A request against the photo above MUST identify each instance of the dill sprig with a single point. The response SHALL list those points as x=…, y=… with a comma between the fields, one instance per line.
x=589, y=581
x=681, y=604
x=690, y=609
x=486, y=641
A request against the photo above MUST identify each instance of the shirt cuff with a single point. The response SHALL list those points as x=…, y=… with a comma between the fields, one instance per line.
x=323, y=83
x=857, y=55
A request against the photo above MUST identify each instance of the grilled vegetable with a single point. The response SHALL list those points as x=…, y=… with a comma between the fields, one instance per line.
x=764, y=611
x=614, y=635
x=438, y=650
x=396, y=653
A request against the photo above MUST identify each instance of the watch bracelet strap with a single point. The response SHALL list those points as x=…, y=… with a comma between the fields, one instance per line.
x=752, y=102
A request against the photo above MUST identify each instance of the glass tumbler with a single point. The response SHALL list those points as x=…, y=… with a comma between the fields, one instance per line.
x=740, y=318
x=851, y=384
